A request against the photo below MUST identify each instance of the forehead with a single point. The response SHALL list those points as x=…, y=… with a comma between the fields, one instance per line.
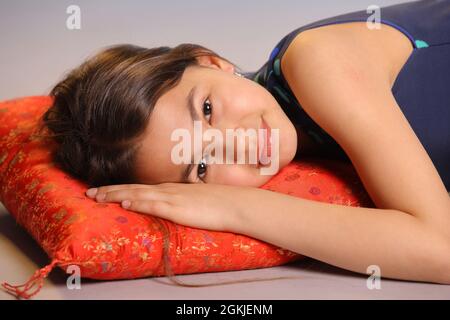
x=154, y=163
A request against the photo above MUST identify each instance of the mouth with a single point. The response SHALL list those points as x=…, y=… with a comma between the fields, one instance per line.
x=264, y=143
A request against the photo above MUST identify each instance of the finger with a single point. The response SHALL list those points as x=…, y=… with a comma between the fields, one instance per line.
x=131, y=194
x=156, y=208
x=103, y=189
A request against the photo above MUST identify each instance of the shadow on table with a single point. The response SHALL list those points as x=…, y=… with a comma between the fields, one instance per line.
x=18, y=236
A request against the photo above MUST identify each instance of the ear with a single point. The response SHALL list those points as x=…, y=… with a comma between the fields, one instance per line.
x=215, y=63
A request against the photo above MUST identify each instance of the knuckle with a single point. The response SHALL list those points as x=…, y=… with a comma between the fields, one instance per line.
x=138, y=192
x=168, y=185
x=153, y=205
x=101, y=190
x=112, y=195
x=107, y=196
x=177, y=197
x=158, y=206
x=100, y=196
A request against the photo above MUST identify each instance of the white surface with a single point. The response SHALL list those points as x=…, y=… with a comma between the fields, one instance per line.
x=21, y=256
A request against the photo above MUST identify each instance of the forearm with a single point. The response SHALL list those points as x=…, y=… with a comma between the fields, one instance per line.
x=352, y=238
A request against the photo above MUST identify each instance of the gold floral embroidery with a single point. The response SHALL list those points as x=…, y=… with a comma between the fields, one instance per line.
x=3, y=156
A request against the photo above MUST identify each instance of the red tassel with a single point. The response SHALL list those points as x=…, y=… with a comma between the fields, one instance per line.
x=36, y=279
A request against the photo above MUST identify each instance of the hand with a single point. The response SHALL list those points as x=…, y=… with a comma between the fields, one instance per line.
x=205, y=206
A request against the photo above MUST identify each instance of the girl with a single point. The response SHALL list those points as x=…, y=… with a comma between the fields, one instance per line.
x=375, y=95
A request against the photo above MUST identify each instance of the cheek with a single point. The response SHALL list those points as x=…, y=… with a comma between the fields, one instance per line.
x=238, y=175
x=250, y=99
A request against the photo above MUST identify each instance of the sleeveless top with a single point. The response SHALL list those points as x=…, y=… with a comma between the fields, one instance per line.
x=421, y=89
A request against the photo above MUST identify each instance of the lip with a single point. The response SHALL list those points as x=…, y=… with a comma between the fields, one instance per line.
x=267, y=144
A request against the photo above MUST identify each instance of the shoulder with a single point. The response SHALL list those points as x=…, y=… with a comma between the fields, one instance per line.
x=346, y=90
x=329, y=72
x=347, y=47
x=333, y=80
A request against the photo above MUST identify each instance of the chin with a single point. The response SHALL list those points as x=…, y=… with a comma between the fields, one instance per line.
x=284, y=162
x=288, y=151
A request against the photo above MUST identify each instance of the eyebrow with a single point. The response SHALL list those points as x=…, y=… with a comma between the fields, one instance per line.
x=194, y=117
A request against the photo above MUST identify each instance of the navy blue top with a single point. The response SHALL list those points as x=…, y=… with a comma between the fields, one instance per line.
x=422, y=88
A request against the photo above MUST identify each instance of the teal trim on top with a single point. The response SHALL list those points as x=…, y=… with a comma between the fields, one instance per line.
x=421, y=44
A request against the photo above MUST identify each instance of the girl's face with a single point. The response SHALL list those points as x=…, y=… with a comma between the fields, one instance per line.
x=222, y=100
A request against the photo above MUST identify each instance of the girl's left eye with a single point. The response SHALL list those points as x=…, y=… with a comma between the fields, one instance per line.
x=201, y=170
x=207, y=108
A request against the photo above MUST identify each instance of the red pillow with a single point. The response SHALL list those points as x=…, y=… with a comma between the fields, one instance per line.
x=109, y=242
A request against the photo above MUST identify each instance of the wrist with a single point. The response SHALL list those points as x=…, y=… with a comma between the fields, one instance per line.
x=252, y=203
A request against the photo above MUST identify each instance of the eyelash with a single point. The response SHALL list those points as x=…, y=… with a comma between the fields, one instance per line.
x=202, y=162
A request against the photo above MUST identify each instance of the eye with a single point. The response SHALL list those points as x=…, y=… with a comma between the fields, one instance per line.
x=207, y=109
x=201, y=169
x=202, y=166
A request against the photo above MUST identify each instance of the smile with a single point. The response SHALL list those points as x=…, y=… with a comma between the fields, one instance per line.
x=264, y=143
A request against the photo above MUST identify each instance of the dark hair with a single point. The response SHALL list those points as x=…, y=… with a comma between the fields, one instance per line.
x=101, y=110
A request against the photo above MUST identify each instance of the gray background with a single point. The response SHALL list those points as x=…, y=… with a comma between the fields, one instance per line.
x=37, y=48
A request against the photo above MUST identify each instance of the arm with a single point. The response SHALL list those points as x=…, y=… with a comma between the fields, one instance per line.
x=344, y=87
x=352, y=238
x=408, y=234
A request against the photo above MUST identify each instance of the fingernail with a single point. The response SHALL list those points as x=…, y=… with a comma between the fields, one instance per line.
x=101, y=196
x=91, y=192
x=126, y=203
